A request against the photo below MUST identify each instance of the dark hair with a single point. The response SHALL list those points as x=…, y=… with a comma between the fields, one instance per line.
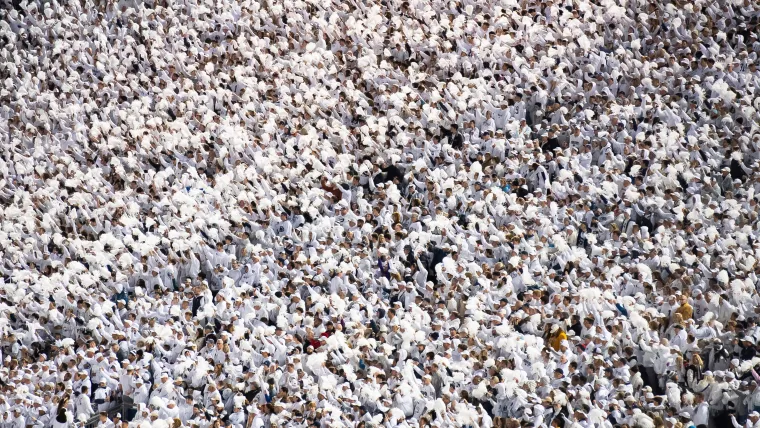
x=61, y=417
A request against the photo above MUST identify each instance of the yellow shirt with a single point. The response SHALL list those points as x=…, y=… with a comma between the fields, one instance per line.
x=685, y=310
x=555, y=341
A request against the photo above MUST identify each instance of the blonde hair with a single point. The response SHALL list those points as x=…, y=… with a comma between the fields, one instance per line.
x=697, y=360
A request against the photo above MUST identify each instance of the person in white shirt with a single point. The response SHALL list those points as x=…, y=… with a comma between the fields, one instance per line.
x=701, y=414
x=82, y=404
x=104, y=421
x=141, y=393
x=284, y=228
x=753, y=421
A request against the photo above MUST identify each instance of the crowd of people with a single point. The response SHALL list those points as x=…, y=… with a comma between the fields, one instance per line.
x=381, y=213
